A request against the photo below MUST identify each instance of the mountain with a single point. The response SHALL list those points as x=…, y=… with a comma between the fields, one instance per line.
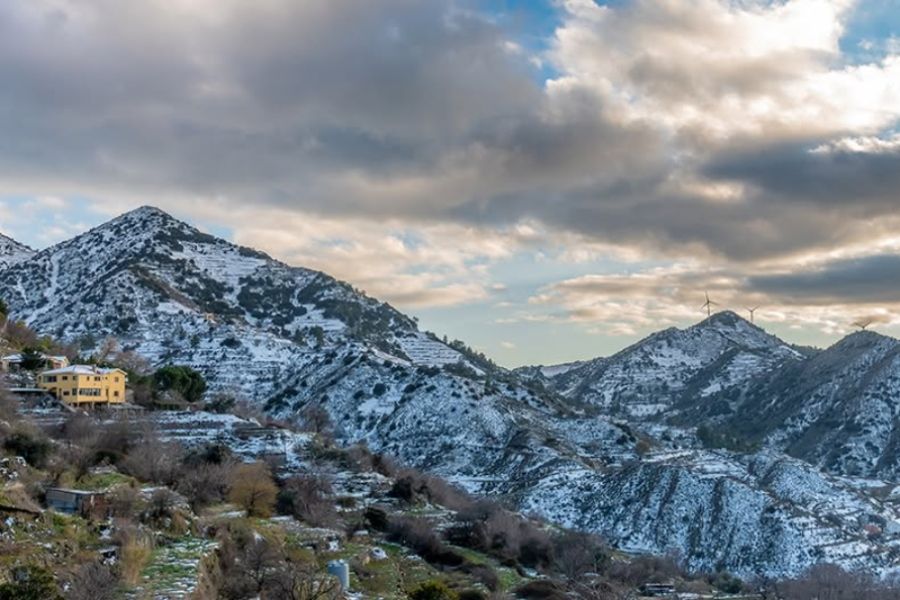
x=674, y=368
x=12, y=252
x=288, y=338
x=175, y=294
x=838, y=410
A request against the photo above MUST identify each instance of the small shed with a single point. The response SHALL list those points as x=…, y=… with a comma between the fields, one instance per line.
x=657, y=590
x=81, y=502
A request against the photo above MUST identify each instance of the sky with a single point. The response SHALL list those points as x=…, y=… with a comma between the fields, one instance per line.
x=548, y=180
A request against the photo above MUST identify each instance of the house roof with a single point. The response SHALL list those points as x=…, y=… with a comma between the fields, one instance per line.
x=18, y=357
x=76, y=492
x=81, y=370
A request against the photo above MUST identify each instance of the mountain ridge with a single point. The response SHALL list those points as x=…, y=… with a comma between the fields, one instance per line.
x=12, y=252
x=288, y=339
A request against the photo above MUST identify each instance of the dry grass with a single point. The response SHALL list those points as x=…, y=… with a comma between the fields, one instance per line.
x=135, y=551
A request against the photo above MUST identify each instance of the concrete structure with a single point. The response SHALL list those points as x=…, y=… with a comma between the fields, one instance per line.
x=85, y=385
x=13, y=362
x=81, y=502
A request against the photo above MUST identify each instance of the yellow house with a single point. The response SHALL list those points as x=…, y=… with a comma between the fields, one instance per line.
x=85, y=385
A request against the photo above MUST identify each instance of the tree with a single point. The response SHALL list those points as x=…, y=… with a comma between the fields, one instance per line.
x=108, y=348
x=308, y=497
x=316, y=419
x=133, y=363
x=295, y=580
x=19, y=335
x=252, y=489
x=33, y=359
x=183, y=380
x=4, y=309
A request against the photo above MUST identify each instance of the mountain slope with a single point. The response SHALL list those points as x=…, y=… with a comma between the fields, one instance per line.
x=173, y=293
x=668, y=369
x=838, y=410
x=289, y=338
x=12, y=252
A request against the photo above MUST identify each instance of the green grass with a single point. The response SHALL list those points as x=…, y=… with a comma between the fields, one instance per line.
x=103, y=481
x=175, y=566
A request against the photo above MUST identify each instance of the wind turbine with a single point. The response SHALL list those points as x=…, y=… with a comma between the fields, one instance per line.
x=708, y=305
x=751, y=311
x=863, y=323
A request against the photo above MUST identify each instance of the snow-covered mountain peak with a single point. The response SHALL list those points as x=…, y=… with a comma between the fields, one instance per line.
x=675, y=368
x=12, y=252
x=862, y=340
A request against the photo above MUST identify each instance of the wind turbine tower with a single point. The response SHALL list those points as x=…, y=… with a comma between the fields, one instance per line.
x=752, y=311
x=708, y=305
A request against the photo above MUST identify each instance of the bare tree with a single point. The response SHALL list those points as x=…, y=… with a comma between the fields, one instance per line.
x=316, y=419
x=133, y=362
x=302, y=581
x=154, y=460
x=93, y=581
x=107, y=349
x=309, y=497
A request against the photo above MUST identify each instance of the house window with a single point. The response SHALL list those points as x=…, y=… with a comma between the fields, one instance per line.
x=65, y=377
x=116, y=394
x=66, y=393
x=96, y=379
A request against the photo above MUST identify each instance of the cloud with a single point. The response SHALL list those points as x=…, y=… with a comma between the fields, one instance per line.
x=428, y=266
x=409, y=146
x=828, y=296
x=864, y=280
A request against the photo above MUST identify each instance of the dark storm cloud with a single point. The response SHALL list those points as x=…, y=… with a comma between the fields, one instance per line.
x=427, y=111
x=870, y=279
x=853, y=182
x=246, y=96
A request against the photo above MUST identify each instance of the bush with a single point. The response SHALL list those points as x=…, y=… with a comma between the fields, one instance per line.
x=541, y=590
x=253, y=490
x=433, y=590
x=309, y=498
x=185, y=381
x=576, y=553
x=32, y=448
x=205, y=483
x=93, y=581
x=30, y=583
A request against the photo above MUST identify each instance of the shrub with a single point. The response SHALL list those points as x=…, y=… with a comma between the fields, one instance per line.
x=541, y=590
x=433, y=590
x=123, y=501
x=205, y=483
x=253, y=490
x=309, y=498
x=135, y=549
x=32, y=448
x=576, y=553
x=30, y=583
x=93, y=581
